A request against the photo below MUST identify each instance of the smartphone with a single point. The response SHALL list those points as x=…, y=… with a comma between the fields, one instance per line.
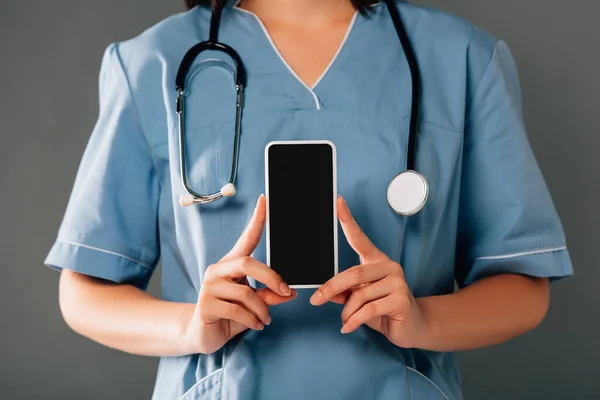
x=301, y=190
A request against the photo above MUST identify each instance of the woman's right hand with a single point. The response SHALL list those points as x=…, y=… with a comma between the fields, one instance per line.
x=227, y=305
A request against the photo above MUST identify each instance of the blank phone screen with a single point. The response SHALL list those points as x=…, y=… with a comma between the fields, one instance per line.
x=301, y=212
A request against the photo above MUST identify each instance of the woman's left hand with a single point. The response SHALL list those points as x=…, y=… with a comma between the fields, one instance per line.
x=375, y=293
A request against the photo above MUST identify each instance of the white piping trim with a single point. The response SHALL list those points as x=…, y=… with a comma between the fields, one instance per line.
x=199, y=382
x=310, y=89
x=337, y=52
x=264, y=28
x=526, y=253
x=428, y=380
x=104, y=251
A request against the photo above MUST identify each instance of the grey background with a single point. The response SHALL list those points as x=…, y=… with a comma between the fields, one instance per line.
x=50, y=56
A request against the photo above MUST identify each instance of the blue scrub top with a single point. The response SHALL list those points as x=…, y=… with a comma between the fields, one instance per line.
x=489, y=210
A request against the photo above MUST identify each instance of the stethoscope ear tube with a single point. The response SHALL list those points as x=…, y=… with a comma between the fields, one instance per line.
x=212, y=43
x=192, y=54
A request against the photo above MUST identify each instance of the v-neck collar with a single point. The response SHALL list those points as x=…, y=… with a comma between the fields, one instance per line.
x=311, y=88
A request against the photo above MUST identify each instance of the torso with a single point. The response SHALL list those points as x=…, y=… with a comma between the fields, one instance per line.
x=362, y=104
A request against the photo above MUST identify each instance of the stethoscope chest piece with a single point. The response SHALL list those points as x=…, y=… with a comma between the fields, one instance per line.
x=407, y=193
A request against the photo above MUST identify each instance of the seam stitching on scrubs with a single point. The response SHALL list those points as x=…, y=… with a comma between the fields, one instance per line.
x=136, y=110
x=199, y=382
x=428, y=380
x=147, y=266
x=389, y=115
x=525, y=253
x=487, y=68
x=276, y=50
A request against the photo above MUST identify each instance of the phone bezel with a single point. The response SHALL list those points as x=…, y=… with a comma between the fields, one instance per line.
x=335, y=221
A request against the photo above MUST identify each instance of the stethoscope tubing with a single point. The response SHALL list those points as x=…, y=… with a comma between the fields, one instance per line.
x=416, y=83
x=240, y=83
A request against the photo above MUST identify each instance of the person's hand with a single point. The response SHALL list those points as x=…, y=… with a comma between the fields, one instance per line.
x=227, y=305
x=375, y=293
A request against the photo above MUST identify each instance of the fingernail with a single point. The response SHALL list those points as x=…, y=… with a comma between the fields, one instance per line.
x=285, y=289
x=257, y=202
x=343, y=330
x=260, y=326
x=316, y=298
x=268, y=321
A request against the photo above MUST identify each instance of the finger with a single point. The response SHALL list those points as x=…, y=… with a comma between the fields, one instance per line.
x=355, y=236
x=341, y=298
x=272, y=299
x=252, y=234
x=218, y=309
x=367, y=294
x=243, y=295
x=368, y=311
x=349, y=278
x=248, y=266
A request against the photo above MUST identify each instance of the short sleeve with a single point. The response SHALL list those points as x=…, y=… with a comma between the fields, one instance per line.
x=507, y=221
x=109, y=229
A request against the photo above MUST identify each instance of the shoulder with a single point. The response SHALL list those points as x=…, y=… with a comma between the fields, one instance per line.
x=165, y=41
x=439, y=29
x=144, y=67
x=447, y=42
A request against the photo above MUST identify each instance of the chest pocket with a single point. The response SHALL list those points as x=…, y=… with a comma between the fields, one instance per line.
x=437, y=153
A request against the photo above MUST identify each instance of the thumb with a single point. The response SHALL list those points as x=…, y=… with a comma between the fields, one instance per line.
x=251, y=235
x=272, y=299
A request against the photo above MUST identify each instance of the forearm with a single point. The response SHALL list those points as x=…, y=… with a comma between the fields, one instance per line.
x=485, y=313
x=123, y=317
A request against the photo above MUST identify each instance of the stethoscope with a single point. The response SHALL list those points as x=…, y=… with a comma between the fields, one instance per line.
x=407, y=192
